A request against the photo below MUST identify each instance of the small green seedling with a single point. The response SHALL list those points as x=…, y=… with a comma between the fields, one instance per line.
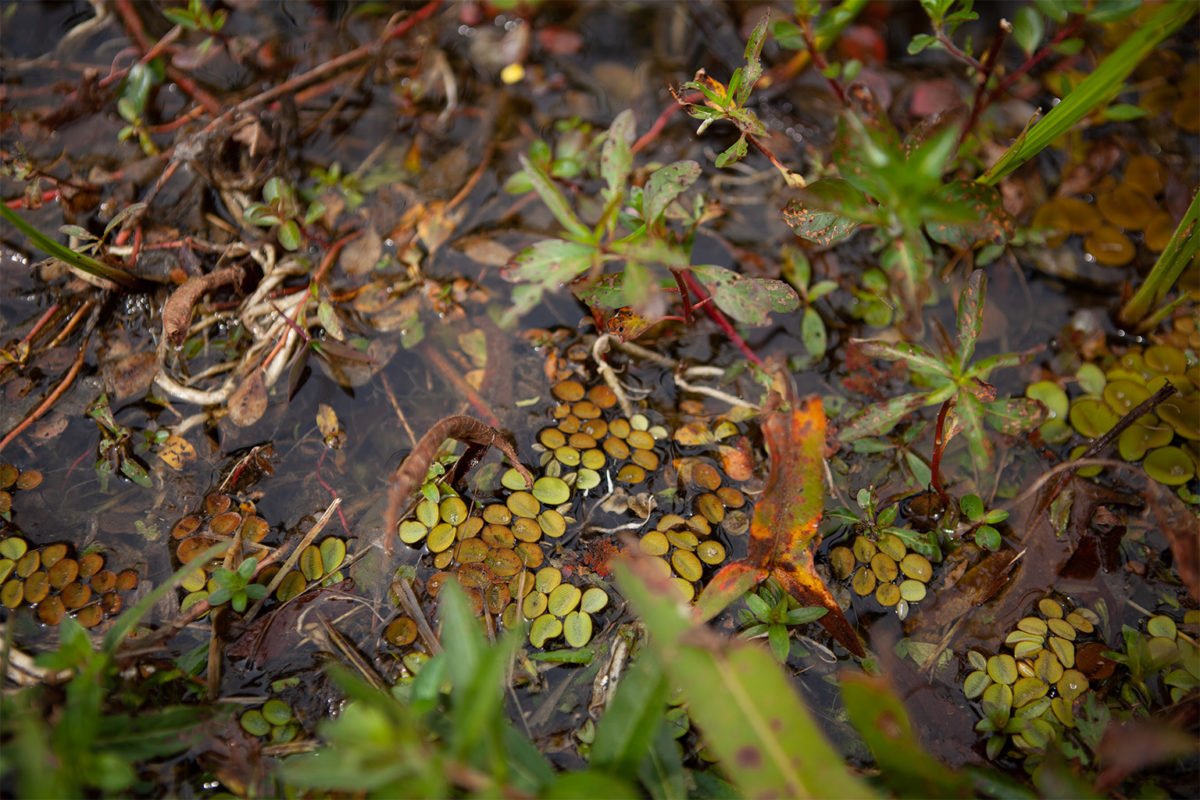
x=771, y=612
x=237, y=587
x=982, y=521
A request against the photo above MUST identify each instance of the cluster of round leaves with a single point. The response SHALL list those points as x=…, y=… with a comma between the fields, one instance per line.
x=14, y=479
x=1131, y=206
x=55, y=581
x=884, y=568
x=273, y=721
x=1166, y=649
x=1165, y=441
x=1027, y=696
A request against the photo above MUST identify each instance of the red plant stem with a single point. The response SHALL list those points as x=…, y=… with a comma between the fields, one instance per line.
x=722, y=321
x=939, y=447
x=1070, y=29
x=818, y=60
x=48, y=196
x=51, y=398
x=685, y=298
x=989, y=64
x=661, y=123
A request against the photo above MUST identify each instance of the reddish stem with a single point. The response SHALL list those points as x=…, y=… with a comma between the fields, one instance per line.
x=661, y=123
x=989, y=64
x=722, y=321
x=48, y=196
x=685, y=298
x=1070, y=30
x=939, y=447
x=818, y=60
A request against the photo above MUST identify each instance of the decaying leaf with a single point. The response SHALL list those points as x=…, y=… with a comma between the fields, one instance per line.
x=783, y=531
x=327, y=423
x=177, y=451
x=248, y=402
x=177, y=313
x=360, y=256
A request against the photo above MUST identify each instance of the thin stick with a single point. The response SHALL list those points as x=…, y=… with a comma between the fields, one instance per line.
x=293, y=558
x=391, y=396
x=51, y=398
x=599, y=348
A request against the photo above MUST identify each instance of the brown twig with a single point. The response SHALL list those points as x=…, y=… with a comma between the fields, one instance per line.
x=51, y=398
x=411, y=473
x=452, y=376
x=989, y=65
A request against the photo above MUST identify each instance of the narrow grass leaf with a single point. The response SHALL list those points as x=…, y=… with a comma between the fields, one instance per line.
x=1095, y=90
x=624, y=733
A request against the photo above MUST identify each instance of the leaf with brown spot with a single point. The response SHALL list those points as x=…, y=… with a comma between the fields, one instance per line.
x=784, y=528
x=742, y=701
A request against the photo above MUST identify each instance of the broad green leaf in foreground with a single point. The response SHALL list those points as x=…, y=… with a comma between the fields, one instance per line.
x=552, y=263
x=744, y=704
x=665, y=185
x=881, y=719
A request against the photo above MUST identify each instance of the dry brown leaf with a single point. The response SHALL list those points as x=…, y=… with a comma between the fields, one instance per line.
x=248, y=402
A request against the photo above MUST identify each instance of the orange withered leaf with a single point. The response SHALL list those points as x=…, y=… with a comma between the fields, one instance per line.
x=783, y=531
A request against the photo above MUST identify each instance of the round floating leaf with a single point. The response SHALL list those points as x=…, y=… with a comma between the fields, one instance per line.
x=577, y=628
x=254, y=723
x=1169, y=465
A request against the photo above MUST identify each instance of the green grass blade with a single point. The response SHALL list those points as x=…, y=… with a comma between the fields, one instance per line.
x=129, y=620
x=63, y=253
x=1095, y=90
x=1179, y=252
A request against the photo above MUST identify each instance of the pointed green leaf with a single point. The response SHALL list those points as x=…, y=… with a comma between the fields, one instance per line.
x=813, y=334
x=616, y=156
x=968, y=413
x=753, y=70
x=915, y=356
x=879, y=418
x=734, y=153
x=555, y=201
x=628, y=726
x=970, y=317
x=551, y=263
x=829, y=211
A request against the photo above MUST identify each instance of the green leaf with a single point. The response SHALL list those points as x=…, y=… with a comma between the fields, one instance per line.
x=664, y=185
x=180, y=17
x=1097, y=89
x=915, y=356
x=1028, y=29
x=879, y=418
x=587, y=784
x=920, y=43
x=1054, y=9
x=661, y=771
x=555, y=201
x=987, y=537
x=1105, y=12
x=931, y=157
x=1014, y=416
x=828, y=211
x=788, y=35
x=606, y=292
x=734, y=153
x=753, y=72
x=1124, y=112
x=289, y=235
x=972, y=507
x=748, y=300
x=969, y=412
x=624, y=733
x=1181, y=250
x=970, y=317
x=639, y=285
x=966, y=214
x=1068, y=47
x=616, y=155
x=812, y=333
x=881, y=719
x=551, y=263
x=766, y=739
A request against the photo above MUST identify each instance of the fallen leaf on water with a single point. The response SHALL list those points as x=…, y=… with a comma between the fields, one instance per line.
x=783, y=531
x=248, y=402
x=177, y=451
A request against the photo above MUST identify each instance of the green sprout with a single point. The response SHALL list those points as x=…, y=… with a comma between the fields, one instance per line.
x=236, y=587
x=771, y=612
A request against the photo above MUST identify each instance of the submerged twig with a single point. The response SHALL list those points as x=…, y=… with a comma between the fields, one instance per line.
x=313, y=532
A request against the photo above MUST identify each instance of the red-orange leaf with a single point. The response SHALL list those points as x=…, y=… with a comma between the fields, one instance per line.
x=784, y=529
